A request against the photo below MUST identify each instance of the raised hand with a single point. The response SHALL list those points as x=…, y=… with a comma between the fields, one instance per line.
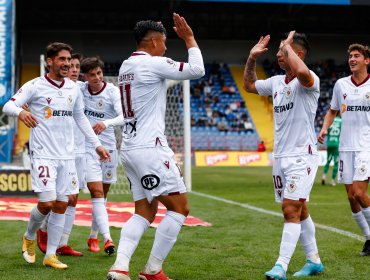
x=260, y=48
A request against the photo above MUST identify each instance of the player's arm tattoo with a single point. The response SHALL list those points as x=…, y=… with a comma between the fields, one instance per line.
x=250, y=71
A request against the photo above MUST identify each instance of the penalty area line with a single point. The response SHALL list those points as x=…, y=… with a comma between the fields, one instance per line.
x=273, y=213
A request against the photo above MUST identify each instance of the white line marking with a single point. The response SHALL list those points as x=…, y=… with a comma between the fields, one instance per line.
x=273, y=213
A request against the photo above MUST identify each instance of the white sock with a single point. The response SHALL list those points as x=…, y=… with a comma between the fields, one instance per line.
x=308, y=240
x=131, y=233
x=362, y=223
x=68, y=224
x=94, y=228
x=165, y=237
x=44, y=225
x=101, y=217
x=291, y=233
x=55, y=231
x=36, y=219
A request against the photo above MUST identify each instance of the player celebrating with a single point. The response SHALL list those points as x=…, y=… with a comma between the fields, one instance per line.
x=332, y=150
x=149, y=162
x=80, y=162
x=295, y=97
x=351, y=96
x=53, y=101
x=102, y=102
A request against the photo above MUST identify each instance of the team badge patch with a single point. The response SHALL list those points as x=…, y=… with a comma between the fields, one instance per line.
x=70, y=100
x=291, y=186
x=287, y=92
x=108, y=174
x=362, y=170
x=367, y=97
x=74, y=182
x=100, y=104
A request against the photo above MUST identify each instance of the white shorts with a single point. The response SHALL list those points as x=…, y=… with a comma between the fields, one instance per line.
x=152, y=172
x=353, y=166
x=54, y=175
x=81, y=170
x=293, y=177
x=98, y=171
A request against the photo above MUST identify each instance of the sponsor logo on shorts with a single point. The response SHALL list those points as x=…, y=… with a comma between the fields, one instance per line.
x=150, y=181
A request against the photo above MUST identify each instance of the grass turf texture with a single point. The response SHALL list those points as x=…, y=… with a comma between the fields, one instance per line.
x=241, y=244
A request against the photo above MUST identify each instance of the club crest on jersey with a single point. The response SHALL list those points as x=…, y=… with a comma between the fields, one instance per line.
x=345, y=96
x=100, y=104
x=70, y=100
x=367, y=97
x=150, y=181
x=287, y=91
x=48, y=100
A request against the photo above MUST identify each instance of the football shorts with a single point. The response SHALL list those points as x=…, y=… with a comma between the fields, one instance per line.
x=293, y=177
x=152, y=172
x=353, y=166
x=99, y=171
x=54, y=174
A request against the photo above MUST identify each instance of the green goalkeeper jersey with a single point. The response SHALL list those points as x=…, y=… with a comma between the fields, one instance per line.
x=334, y=133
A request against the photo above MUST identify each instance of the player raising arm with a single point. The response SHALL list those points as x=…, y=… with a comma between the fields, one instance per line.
x=295, y=97
x=149, y=163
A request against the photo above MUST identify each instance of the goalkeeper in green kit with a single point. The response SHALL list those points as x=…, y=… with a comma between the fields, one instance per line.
x=332, y=149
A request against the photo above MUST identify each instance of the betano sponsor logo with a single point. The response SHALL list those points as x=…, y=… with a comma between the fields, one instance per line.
x=48, y=113
x=355, y=108
x=213, y=159
x=94, y=114
x=283, y=108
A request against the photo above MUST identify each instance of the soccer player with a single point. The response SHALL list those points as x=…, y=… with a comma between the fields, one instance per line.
x=149, y=162
x=54, y=102
x=80, y=162
x=351, y=96
x=332, y=151
x=295, y=98
x=102, y=102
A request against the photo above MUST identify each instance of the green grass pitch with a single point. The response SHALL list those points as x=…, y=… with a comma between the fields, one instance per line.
x=241, y=244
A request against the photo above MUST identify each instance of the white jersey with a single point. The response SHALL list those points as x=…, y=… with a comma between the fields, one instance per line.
x=142, y=82
x=100, y=106
x=294, y=113
x=53, y=106
x=79, y=137
x=353, y=101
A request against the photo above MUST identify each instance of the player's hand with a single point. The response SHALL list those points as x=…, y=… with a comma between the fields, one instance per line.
x=260, y=48
x=288, y=40
x=103, y=153
x=99, y=127
x=28, y=119
x=321, y=136
x=184, y=31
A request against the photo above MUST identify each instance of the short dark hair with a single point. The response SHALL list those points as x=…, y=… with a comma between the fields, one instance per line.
x=90, y=63
x=54, y=48
x=363, y=49
x=78, y=56
x=143, y=27
x=301, y=40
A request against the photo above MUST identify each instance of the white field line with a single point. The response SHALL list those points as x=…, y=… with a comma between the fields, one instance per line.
x=273, y=213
